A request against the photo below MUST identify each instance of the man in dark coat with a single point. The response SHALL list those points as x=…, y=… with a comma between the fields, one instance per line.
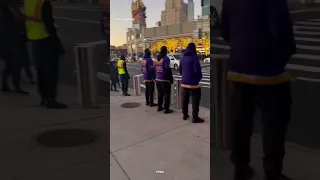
x=261, y=37
x=12, y=34
x=191, y=72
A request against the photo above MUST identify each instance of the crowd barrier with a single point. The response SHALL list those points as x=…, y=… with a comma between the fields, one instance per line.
x=176, y=90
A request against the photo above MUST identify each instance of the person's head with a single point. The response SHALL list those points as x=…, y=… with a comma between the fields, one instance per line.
x=164, y=50
x=122, y=57
x=192, y=47
x=147, y=53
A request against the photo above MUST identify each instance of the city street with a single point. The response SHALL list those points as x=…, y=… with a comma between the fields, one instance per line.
x=305, y=67
x=77, y=23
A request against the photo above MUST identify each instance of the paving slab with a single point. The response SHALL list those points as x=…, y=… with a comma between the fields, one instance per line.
x=179, y=154
x=21, y=153
x=298, y=164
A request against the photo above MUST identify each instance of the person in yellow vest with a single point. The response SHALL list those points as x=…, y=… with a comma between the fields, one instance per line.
x=124, y=75
x=47, y=49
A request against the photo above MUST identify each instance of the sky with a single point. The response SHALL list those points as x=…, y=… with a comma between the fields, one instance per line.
x=120, y=17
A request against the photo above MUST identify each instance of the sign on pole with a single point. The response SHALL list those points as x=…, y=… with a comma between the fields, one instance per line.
x=200, y=33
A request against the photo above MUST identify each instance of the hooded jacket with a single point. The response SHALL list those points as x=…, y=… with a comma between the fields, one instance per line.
x=261, y=38
x=147, y=68
x=190, y=69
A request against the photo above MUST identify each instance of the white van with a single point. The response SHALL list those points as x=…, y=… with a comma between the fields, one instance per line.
x=175, y=60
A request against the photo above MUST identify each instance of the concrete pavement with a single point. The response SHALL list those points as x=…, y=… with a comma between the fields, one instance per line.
x=144, y=141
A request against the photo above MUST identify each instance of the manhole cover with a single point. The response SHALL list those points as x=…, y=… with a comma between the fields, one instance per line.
x=130, y=105
x=67, y=138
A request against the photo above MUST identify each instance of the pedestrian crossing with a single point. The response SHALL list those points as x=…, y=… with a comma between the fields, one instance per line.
x=205, y=81
x=307, y=58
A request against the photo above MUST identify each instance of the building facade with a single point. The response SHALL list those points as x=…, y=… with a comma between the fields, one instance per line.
x=176, y=11
x=190, y=10
x=205, y=4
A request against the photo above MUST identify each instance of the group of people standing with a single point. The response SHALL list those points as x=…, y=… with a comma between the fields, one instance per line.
x=36, y=25
x=159, y=71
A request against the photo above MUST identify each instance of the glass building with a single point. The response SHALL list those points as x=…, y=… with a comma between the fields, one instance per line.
x=205, y=4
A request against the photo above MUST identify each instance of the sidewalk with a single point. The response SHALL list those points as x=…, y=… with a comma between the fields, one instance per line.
x=144, y=141
x=22, y=158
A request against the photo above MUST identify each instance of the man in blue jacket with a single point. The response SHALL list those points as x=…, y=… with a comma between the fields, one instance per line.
x=148, y=76
x=164, y=80
x=262, y=42
x=191, y=73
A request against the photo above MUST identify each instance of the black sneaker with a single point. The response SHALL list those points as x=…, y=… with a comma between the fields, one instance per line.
x=185, y=116
x=160, y=109
x=6, y=90
x=153, y=105
x=21, y=92
x=56, y=105
x=116, y=90
x=245, y=173
x=147, y=104
x=168, y=111
x=127, y=94
x=43, y=102
x=276, y=177
x=197, y=120
x=111, y=89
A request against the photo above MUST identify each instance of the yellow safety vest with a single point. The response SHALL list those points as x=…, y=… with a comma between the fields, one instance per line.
x=120, y=67
x=36, y=29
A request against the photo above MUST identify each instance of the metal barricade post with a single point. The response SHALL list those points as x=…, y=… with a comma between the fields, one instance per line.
x=178, y=92
x=136, y=84
x=221, y=125
x=86, y=76
x=155, y=93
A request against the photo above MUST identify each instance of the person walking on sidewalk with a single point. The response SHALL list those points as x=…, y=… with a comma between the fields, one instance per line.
x=47, y=49
x=164, y=80
x=124, y=75
x=12, y=34
x=114, y=75
x=148, y=76
x=191, y=73
x=261, y=38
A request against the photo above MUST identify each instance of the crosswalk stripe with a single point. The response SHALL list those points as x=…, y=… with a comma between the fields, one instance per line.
x=307, y=23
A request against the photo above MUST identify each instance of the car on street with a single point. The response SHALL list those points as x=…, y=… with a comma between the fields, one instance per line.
x=206, y=60
x=115, y=59
x=175, y=60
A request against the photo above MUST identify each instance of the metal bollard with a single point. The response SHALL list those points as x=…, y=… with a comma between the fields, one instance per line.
x=221, y=126
x=173, y=93
x=155, y=93
x=86, y=76
x=136, y=84
x=178, y=97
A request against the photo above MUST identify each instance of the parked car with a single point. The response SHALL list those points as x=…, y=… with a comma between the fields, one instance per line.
x=175, y=60
x=115, y=59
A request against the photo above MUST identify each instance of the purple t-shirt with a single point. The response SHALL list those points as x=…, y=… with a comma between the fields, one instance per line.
x=160, y=67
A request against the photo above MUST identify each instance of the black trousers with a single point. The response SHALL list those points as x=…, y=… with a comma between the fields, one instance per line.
x=124, y=83
x=47, y=66
x=164, y=93
x=114, y=82
x=196, y=97
x=275, y=105
x=26, y=63
x=12, y=70
x=149, y=92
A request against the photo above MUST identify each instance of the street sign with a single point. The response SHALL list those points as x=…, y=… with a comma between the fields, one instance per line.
x=200, y=33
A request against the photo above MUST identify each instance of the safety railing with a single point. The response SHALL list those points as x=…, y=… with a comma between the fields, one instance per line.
x=176, y=90
x=221, y=125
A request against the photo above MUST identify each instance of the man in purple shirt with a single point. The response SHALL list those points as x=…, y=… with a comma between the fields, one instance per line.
x=147, y=69
x=164, y=80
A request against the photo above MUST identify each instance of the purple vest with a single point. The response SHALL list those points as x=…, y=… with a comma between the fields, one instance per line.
x=160, y=67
